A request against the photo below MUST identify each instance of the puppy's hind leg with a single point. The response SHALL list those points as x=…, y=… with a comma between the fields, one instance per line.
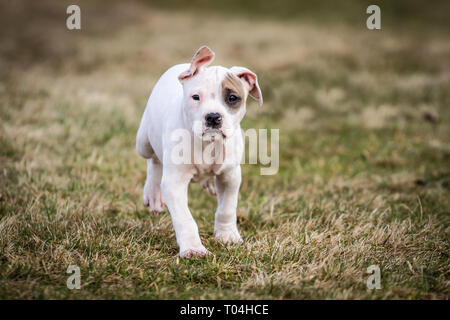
x=143, y=146
x=152, y=189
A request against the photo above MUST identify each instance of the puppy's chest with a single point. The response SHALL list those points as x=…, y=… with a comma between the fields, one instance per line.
x=203, y=172
x=213, y=163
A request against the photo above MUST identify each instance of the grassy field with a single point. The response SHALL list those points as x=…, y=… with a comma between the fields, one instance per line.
x=364, y=178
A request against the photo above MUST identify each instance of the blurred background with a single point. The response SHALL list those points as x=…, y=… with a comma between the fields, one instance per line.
x=364, y=149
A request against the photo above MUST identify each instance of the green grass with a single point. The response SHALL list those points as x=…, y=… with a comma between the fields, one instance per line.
x=364, y=173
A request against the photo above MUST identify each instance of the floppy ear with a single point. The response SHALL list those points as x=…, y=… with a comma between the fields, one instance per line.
x=250, y=81
x=202, y=58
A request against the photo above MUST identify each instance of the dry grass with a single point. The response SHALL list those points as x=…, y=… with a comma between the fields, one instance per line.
x=364, y=166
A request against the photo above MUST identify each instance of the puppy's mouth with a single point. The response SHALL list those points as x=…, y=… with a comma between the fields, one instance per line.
x=210, y=134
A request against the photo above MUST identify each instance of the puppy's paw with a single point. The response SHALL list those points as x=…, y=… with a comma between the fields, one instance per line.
x=153, y=200
x=228, y=236
x=210, y=186
x=194, y=252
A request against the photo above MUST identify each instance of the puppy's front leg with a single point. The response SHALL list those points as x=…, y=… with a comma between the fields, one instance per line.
x=174, y=187
x=227, y=184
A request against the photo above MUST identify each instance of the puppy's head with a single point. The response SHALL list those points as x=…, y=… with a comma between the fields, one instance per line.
x=215, y=97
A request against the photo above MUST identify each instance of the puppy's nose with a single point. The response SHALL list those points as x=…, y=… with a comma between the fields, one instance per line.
x=213, y=120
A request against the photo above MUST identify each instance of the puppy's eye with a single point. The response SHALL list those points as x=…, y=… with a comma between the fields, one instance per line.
x=196, y=97
x=232, y=99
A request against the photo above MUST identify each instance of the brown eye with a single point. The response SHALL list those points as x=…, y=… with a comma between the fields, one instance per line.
x=196, y=97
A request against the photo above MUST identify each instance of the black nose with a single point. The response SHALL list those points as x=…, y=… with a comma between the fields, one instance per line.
x=213, y=120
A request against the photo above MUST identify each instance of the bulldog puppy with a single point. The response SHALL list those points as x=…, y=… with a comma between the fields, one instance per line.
x=204, y=106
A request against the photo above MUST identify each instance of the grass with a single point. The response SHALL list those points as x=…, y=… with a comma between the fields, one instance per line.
x=364, y=172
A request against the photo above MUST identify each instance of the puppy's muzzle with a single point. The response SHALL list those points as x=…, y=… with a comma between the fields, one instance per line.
x=213, y=120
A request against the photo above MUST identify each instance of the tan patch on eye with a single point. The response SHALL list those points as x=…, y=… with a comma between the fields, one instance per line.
x=232, y=85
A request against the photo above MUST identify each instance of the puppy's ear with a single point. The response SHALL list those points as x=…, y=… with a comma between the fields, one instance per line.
x=202, y=58
x=250, y=81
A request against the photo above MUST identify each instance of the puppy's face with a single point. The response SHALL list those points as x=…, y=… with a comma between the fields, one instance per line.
x=214, y=102
x=215, y=97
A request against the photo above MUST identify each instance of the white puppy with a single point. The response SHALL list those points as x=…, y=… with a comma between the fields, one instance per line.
x=208, y=103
